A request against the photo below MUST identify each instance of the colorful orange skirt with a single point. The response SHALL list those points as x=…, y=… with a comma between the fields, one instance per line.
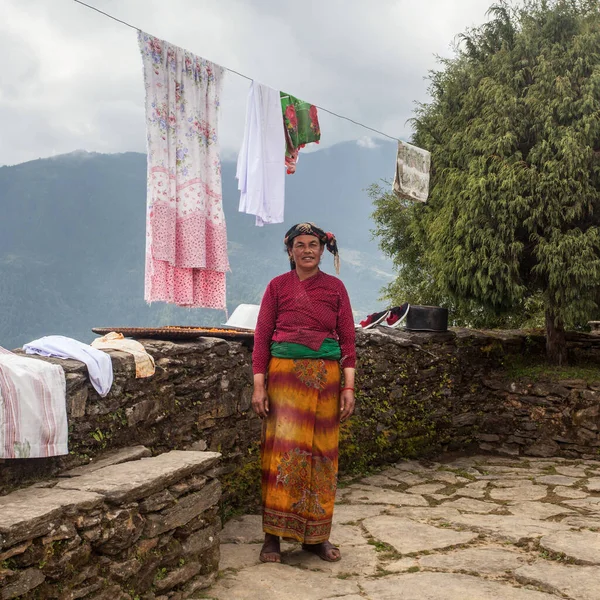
x=299, y=448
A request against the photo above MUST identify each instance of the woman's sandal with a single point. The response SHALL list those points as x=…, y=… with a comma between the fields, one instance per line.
x=270, y=552
x=323, y=551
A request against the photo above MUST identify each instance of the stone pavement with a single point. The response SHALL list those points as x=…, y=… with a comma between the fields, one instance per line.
x=474, y=528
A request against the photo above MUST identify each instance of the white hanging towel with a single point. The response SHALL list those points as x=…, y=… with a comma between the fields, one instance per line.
x=261, y=162
x=411, y=181
x=33, y=408
x=99, y=364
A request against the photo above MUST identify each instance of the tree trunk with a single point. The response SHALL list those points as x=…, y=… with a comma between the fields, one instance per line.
x=556, y=342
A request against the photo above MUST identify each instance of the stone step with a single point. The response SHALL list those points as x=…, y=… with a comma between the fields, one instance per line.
x=131, y=481
x=37, y=511
x=33, y=512
x=113, y=457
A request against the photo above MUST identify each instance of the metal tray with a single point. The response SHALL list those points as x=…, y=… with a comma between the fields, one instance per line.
x=179, y=333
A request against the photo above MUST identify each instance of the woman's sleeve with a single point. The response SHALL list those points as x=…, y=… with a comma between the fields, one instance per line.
x=265, y=325
x=345, y=330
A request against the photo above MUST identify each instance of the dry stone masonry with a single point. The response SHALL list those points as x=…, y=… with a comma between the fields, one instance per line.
x=417, y=394
x=133, y=512
x=133, y=527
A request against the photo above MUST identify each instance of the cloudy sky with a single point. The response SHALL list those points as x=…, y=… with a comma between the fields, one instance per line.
x=72, y=79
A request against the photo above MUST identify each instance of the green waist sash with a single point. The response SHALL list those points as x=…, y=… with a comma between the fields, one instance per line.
x=329, y=350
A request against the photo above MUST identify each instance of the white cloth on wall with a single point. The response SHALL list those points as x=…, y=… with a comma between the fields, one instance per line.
x=99, y=364
x=411, y=180
x=261, y=161
x=33, y=408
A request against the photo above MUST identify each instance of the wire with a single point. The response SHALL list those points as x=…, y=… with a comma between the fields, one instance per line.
x=106, y=14
x=244, y=76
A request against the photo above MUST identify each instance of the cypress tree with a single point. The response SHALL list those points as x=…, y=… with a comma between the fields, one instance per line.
x=514, y=130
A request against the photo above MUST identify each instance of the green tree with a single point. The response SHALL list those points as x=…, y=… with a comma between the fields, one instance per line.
x=514, y=210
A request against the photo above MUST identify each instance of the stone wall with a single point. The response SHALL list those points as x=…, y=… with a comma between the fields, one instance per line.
x=198, y=399
x=417, y=393
x=141, y=528
x=545, y=419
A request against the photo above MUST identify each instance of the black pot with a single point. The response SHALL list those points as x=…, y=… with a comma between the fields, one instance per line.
x=427, y=318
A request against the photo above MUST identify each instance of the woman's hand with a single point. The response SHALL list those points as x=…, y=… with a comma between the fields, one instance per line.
x=260, y=399
x=347, y=394
x=346, y=404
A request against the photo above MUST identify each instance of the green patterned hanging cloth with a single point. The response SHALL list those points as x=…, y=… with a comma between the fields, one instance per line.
x=301, y=127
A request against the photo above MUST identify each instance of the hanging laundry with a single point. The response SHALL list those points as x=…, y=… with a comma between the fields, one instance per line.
x=301, y=127
x=186, y=237
x=411, y=180
x=33, y=408
x=99, y=364
x=260, y=174
x=144, y=363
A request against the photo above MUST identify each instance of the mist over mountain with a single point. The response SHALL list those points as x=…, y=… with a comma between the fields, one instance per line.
x=72, y=240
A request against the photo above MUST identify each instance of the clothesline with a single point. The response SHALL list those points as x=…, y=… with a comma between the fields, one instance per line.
x=245, y=76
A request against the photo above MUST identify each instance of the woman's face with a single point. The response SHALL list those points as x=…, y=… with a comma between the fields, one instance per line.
x=306, y=252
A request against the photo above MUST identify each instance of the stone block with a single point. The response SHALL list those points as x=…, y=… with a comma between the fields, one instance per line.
x=131, y=481
x=92, y=534
x=122, y=571
x=184, y=511
x=517, y=387
x=549, y=389
x=14, y=551
x=223, y=439
x=573, y=383
x=406, y=536
x=488, y=437
x=23, y=582
x=516, y=439
x=200, y=522
x=64, y=531
x=145, y=545
x=120, y=530
x=245, y=400
x=145, y=411
x=585, y=437
x=34, y=512
x=192, y=484
x=112, y=592
x=200, y=582
x=543, y=448
x=84, y=591
x=510, y=449
x=177, y=577
x=591, y=396
x=582, y=546
x=34, y=554
x=157, y=502
x=114, y=457
x=587, y=417
x=62, y=563
x=78, y=402
x=465, y=420
x=201, y=540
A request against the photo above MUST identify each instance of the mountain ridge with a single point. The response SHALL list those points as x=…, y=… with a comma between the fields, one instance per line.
x=72, y=239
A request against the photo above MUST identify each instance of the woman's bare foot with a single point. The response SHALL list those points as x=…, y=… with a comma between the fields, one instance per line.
x=325, y=551
x=271, y=550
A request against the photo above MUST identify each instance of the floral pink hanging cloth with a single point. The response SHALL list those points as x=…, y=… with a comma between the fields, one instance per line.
x=186, y=236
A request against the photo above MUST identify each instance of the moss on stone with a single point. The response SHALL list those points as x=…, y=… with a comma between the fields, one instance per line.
x=241, y=487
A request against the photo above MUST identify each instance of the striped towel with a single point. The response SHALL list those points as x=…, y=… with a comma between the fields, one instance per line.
x=33, y=411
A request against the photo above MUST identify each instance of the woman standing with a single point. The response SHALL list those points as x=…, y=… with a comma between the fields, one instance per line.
x=304, y=333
